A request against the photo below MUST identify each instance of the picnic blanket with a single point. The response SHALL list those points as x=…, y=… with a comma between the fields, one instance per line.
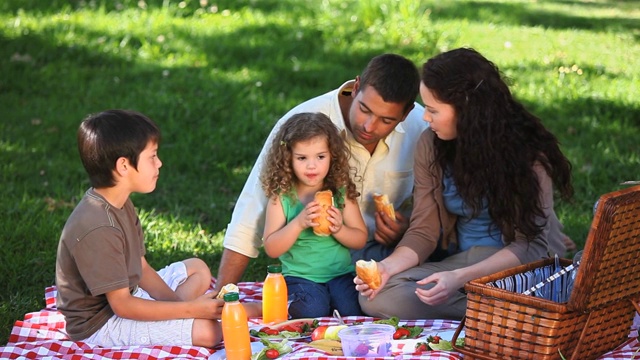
x=41, y=335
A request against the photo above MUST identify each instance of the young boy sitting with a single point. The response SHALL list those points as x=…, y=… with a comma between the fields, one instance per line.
x=108, y=293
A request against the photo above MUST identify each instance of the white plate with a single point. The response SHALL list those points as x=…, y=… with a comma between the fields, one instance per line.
x=222, y=354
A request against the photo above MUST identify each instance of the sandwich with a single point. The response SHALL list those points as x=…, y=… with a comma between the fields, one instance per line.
x=368, y=272
x=325, y=199
x=383, y=205
x=227, y=289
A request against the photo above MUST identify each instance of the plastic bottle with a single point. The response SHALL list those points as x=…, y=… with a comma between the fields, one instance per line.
x=274, y=296
x=235, y=328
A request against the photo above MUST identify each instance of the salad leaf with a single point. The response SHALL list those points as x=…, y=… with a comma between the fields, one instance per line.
x=282, y=347
x=414, y=331
x=393, y=321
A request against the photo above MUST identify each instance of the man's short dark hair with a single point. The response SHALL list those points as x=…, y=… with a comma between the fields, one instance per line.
x=394, y=77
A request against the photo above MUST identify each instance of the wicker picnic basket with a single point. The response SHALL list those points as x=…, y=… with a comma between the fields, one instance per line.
x=597, y=317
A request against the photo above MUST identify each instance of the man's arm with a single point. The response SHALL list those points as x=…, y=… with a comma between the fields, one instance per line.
x=231, y=269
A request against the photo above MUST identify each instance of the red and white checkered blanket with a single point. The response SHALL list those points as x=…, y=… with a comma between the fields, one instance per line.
x=41, y=335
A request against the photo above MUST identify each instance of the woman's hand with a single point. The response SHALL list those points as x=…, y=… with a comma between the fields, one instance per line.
x=446, y=284
x=365, y=290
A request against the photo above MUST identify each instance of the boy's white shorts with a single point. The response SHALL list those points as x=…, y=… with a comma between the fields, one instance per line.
x=125, y=332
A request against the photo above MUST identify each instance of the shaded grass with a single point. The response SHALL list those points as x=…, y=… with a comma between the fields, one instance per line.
x=216, y=77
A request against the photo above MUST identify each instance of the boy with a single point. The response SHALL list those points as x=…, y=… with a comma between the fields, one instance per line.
x=108, y=293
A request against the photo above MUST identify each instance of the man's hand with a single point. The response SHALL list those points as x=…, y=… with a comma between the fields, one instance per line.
x=389, y=232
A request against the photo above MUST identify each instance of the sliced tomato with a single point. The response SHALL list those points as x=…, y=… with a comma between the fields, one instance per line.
x=270, y=331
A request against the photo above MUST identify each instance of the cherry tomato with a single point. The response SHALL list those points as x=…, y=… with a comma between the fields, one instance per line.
x=401, y=333
x=272, y=353
x=436, y=339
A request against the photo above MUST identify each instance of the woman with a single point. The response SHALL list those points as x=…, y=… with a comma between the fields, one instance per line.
x=484, y=177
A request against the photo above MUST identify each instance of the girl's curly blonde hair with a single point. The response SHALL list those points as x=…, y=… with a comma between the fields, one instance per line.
x=277, y=175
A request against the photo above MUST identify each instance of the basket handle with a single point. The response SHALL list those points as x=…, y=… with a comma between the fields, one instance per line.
x=458, y=330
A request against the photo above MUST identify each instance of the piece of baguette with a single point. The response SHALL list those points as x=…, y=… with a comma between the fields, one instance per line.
x=325, y=199
x=227, y=289
x=383, y=204
x=368, y=272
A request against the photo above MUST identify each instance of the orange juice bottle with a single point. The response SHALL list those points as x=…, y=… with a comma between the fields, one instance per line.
x=235, y=328
x=274, y=296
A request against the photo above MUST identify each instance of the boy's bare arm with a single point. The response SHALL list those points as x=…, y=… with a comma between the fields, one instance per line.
x=153, y=284
x=128, y=306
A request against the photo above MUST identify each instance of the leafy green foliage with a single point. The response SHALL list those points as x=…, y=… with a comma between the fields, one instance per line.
x=217, y=75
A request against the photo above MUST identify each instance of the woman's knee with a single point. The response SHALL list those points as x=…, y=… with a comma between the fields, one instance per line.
x=205, y=332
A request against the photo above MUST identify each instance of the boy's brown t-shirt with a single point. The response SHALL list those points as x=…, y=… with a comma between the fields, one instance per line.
x=99, y=251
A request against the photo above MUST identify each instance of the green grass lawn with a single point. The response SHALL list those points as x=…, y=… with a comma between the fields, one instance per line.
x=216, y=75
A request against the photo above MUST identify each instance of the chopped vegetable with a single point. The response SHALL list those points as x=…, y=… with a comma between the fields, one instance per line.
x=272, y=354
x=281, y=347
x=401, y=333
x=441, y=345
x=414, y=331
x=393, y=321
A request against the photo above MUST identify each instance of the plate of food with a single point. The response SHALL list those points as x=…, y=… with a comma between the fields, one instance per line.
x=292, y=329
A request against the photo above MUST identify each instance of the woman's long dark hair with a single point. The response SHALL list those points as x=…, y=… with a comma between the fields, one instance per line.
x=498, y=142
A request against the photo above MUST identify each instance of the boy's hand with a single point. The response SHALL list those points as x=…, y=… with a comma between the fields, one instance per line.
x=208, y=307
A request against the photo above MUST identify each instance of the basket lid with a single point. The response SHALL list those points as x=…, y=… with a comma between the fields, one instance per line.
x=610, y=266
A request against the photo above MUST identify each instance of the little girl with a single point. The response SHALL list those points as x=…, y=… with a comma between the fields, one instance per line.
x=308, y=155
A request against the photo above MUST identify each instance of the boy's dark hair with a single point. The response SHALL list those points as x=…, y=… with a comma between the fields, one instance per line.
x=394, y=77
x=105, y=137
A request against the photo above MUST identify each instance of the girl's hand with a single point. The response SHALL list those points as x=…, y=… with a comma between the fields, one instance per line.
x=307, y=216
x=446, y=284
x=335, y=218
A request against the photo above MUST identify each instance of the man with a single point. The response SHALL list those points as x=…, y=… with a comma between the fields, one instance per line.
x=377, y=115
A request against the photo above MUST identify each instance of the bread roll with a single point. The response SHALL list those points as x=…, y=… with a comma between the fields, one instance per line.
x=325, y=199
x=368, y=272
x=383, y=204
x=227, y=289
